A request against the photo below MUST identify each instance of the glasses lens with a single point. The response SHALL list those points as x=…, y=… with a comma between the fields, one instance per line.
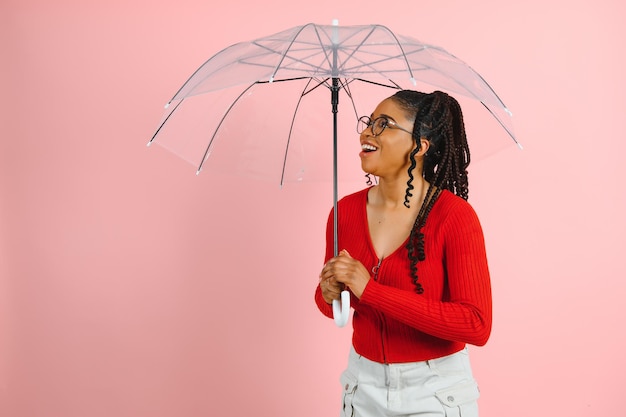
x=379, y=125
x=362, y=124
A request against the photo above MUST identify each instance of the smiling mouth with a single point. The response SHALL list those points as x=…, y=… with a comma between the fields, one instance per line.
x=368, y=148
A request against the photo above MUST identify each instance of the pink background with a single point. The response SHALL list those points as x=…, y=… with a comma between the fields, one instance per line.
x=130, y=287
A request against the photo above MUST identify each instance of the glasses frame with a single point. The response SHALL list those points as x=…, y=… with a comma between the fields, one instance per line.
x=370, y=125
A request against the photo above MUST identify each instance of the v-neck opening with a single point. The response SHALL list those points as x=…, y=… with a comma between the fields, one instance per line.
x=370, y=241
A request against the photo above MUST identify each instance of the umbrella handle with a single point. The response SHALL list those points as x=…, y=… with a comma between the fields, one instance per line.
x=341, y=309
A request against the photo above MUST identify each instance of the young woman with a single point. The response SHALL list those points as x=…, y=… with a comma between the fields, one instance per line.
x=413, y=258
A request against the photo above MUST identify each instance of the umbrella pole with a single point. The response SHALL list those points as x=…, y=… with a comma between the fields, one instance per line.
x=335, y=106
x=341, y=309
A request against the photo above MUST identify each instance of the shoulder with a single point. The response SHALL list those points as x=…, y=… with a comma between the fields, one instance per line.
x=455, y=222
x=449, y=200
x=452, y=208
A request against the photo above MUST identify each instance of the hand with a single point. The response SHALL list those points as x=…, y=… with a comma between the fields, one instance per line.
x=340, y=270
x=331, y=289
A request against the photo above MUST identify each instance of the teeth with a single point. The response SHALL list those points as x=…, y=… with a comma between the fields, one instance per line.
x=368, y=147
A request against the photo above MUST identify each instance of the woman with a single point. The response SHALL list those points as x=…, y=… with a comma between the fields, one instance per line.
x=413, y=257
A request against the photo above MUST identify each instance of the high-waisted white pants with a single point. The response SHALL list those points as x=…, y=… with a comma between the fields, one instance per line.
x=434, y=388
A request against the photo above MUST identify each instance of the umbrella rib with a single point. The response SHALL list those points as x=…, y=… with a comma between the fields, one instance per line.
x=345, y=85
x=323, y=82
x=397, y=43
x=325, y=52
x=306, y=60
x=305, y=92
x=283, y=55
x=395, y=85
x=293, y=120
x=357, y=48
x=303, y=60
x=208, y=148
x=446, y=75
x=199, y=69
x=384, y=58
x=171, y=112
x=283, y=80
x=474, y=95
x=408, y=66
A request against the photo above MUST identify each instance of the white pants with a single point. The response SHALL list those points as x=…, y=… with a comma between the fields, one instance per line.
x=434, y=388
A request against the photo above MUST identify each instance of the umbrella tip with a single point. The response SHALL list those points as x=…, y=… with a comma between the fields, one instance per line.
x=413, y=81
x=335, y=22
x=519, y=145
x=167, y=105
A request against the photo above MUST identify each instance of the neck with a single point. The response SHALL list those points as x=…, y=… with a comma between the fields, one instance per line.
x=391, y=194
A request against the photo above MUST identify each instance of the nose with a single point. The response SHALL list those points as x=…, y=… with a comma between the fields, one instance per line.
x=367, y=129
x=366, y=133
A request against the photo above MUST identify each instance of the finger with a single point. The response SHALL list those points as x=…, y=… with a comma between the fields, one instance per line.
x=328, y=282
x=336, y=264
x=332, y=286
x=325, y=274
x=328, y=266
x=330, y=291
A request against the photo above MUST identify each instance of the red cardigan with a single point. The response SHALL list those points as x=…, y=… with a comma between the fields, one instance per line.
x=391, y=322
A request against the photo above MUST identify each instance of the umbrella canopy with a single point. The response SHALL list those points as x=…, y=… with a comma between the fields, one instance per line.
x=313, y=56
x=250, y=94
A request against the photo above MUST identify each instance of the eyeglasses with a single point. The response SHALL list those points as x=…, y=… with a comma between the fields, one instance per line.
x=377, y=125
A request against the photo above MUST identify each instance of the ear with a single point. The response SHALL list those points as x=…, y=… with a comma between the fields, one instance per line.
x=423, y=146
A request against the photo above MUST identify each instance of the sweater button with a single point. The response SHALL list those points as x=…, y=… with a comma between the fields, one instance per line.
x=347, y=386
x=450, y=398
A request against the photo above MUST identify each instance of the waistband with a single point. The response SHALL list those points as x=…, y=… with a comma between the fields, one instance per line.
x=366, y=369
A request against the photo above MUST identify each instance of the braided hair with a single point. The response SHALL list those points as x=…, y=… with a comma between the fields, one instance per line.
x=437, y=118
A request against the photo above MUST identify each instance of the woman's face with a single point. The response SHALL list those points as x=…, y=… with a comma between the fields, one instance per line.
x=387, y=155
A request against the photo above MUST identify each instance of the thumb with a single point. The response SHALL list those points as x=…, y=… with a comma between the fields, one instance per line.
x=344, y=253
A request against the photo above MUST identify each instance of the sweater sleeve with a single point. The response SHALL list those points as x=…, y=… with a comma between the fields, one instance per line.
x=464, y=315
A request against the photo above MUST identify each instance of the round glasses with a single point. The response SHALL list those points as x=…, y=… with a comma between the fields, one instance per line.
x=377, y=125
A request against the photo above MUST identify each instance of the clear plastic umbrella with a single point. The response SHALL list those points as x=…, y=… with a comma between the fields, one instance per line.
x=239, y=110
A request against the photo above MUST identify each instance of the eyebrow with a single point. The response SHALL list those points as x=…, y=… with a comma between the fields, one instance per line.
x=386, y=116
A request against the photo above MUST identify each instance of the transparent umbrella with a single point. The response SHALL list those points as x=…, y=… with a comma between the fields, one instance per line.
x=240, y=111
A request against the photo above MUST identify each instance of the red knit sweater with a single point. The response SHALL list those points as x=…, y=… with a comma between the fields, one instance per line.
x=391, y=322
